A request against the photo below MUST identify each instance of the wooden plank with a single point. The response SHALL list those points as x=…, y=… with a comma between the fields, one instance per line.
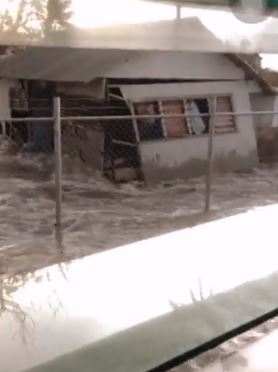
x=224, y=124
x=175, y=127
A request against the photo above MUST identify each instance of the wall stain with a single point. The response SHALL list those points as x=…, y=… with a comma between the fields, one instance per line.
x=155, y=172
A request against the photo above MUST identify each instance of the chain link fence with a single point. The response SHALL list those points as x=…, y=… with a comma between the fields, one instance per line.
x=97, y=142
x=72, y=170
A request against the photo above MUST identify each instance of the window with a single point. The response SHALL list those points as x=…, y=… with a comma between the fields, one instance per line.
x=188, y=125
x=197, y=125
x=149, y=128
x=224, y=124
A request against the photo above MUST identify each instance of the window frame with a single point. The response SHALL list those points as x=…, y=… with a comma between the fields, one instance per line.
x=159, y=101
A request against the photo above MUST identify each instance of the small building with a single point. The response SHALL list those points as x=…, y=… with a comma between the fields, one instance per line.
x=137, y=82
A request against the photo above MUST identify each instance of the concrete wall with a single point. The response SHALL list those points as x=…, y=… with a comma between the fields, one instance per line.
x=177, y=90
x=5, y=109
x=262, y=102
x=275, y=108
x=267, y=135
x=186, y=157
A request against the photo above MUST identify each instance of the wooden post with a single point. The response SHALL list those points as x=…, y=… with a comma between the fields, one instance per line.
x=137, y=138
x=210, y=155
x=58, y=160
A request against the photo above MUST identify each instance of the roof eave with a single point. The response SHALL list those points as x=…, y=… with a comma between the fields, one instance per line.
x=265, y=85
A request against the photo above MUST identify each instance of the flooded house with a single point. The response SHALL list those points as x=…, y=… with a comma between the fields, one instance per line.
x=125, y=84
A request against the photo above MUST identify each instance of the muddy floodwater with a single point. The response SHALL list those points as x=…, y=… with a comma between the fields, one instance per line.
x=98, y=215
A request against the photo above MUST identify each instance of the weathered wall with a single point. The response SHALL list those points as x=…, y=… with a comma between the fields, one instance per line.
x=94, y=89
x=187, y=157
x=5, y=109
x=275, y=107
x=268, y=144
x=137, y=92
x=262, y=102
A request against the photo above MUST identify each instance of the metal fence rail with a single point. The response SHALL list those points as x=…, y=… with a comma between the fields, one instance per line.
x=129, y=117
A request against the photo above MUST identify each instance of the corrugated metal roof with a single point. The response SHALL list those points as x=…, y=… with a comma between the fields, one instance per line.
x=71, y=64
x=77, y=61
x=59, y=64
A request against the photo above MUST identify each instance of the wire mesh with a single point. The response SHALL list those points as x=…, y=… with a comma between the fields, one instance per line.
x=103, y=142
x=104, y=146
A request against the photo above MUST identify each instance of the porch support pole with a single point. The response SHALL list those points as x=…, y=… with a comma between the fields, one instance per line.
x=58, y=160
x=210, y=155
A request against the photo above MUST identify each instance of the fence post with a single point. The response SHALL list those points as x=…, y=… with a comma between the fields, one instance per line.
x=178, y=11
x=210, y=155
x=58, y=160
